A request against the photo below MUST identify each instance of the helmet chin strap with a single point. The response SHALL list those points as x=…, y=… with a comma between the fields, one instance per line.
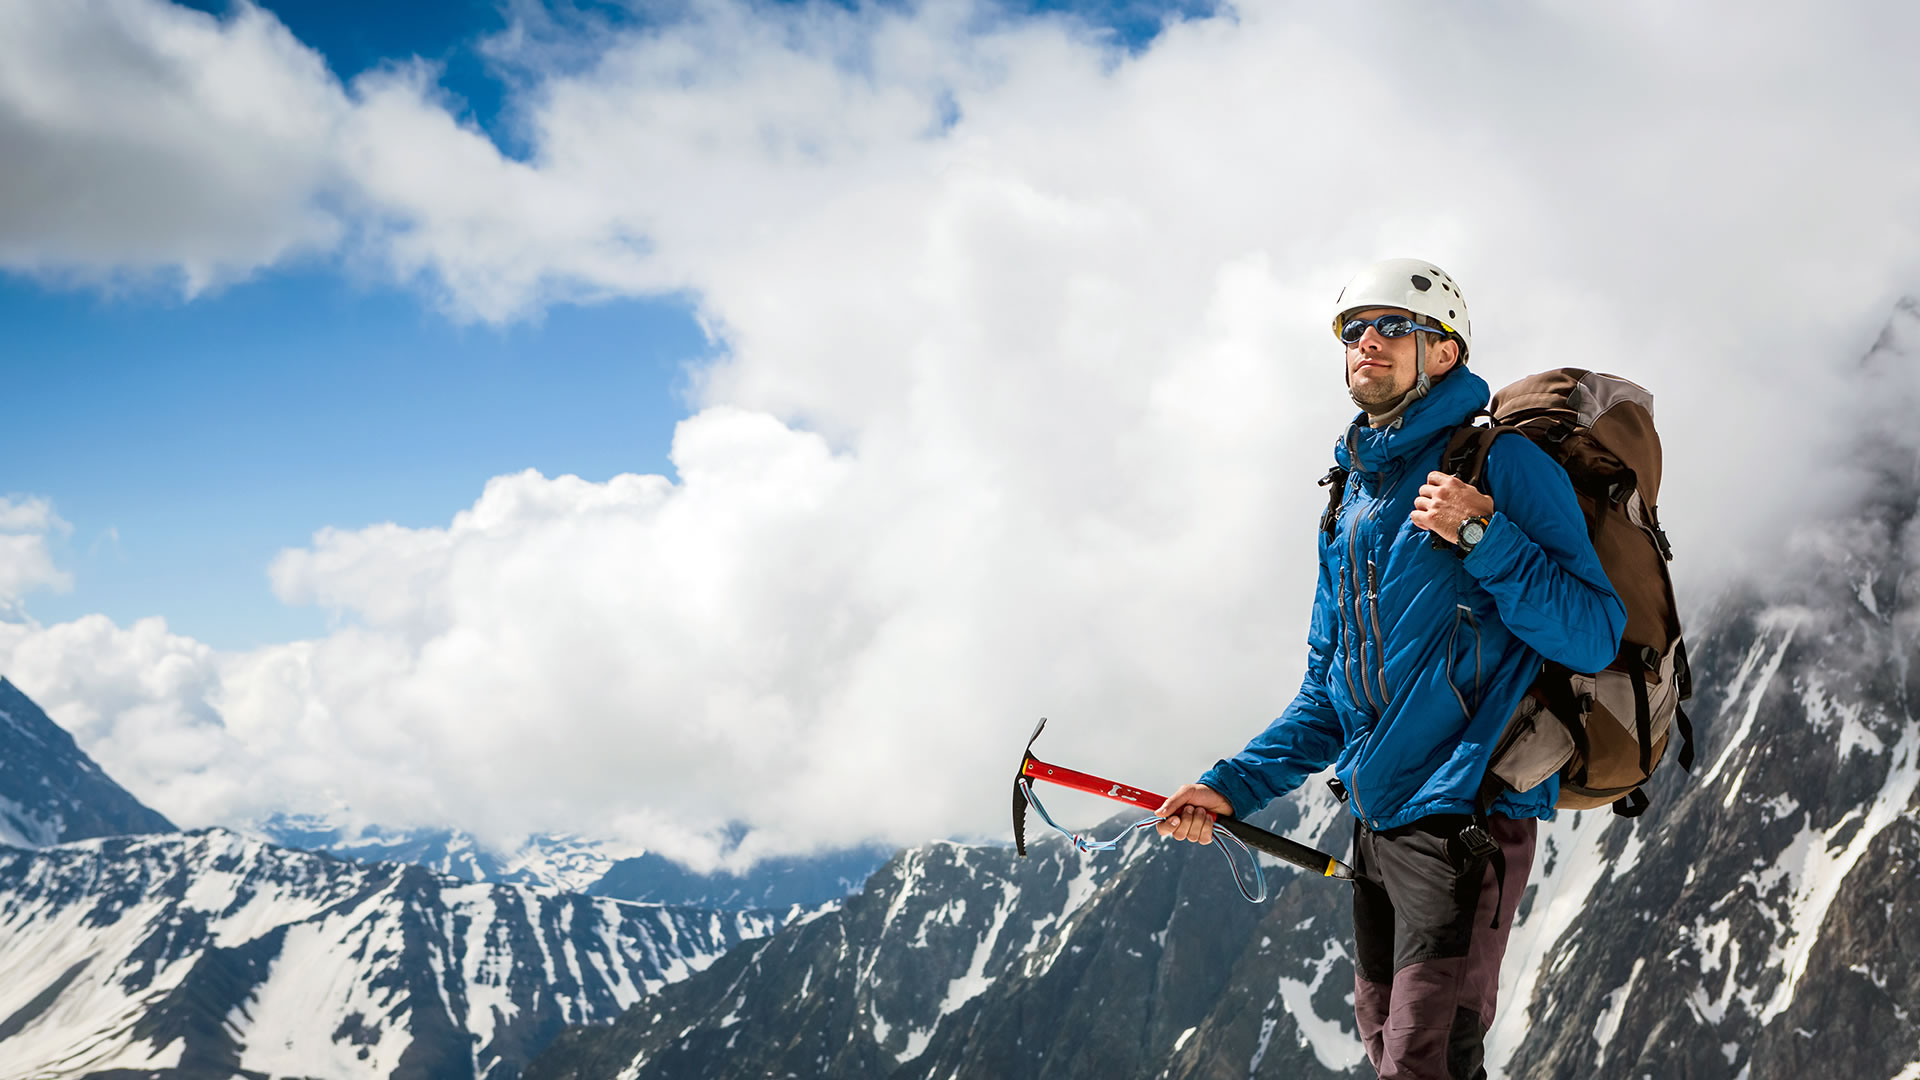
x=1421, y=382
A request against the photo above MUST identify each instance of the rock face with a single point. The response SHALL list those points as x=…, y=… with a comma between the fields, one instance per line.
x=208, y=954
x=966, y=961
x=51, y=792
x=1761, y=921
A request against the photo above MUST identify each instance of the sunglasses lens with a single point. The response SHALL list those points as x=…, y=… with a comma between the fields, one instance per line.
x=1354, y=330
x=1394, y=325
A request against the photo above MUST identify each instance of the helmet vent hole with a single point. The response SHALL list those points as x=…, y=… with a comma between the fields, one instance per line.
x=1451, y=315
x=1421, y=283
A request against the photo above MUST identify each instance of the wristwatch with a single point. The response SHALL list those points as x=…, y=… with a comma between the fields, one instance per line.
x=1472, y=531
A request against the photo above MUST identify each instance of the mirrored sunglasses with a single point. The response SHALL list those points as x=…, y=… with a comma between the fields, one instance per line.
x=1390, y=326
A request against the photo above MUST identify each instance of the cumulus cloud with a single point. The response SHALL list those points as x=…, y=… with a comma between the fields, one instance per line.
x=1026, y=376
x=26, y=562
x=144, y=139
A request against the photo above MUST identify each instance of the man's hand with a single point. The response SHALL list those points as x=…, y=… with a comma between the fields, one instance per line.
x=1189, y=812
x=1446, y=502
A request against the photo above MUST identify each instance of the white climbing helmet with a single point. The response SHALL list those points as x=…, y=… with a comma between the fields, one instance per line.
x=1417, y=286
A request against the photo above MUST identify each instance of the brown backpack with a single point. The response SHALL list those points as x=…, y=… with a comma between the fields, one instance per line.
x=1604, y=732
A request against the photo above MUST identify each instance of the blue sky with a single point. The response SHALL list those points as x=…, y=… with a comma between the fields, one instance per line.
x=189, y=442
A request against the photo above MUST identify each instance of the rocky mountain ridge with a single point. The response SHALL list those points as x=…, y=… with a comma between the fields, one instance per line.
x=208, y=954
x=52, y=792
x=576, y=863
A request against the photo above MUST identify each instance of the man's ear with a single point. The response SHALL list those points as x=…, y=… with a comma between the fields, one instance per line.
x=1442, y=357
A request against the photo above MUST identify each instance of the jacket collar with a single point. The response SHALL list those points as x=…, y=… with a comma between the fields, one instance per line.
x=1452, y=402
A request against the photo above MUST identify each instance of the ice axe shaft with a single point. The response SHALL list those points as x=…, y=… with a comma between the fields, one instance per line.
x=1289, y=851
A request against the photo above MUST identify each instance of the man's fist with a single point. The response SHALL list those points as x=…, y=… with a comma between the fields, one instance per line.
x=1446, y=502
x=1189, y=812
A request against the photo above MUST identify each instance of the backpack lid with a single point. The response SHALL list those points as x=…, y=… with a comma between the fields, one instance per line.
x=1617, y=413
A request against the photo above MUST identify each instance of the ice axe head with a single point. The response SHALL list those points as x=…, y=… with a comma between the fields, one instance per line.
x=1020, y=794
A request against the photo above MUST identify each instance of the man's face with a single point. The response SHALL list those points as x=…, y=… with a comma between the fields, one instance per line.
x=1380, y=370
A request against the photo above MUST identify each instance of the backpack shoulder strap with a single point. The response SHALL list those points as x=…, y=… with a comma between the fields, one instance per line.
x=1336, y=484
x=1467, y=450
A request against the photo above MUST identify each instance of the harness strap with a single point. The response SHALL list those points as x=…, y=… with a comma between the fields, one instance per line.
x=1479, y=841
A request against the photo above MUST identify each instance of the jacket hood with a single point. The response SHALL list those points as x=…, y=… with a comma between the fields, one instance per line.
x=1451, y=403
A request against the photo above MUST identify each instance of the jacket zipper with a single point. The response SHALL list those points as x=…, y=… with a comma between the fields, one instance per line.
x=1379, y=641
x=1346, y=646
x=1360, y=627
x=1359, y=612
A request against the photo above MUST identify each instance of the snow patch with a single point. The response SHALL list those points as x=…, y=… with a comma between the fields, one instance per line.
x=1630, y=853
x=1614, y=1006
x=1336, y=1047
x=1824, y=710
x=1815, y=872
x=20, y=827
x=975, y=980
x=1754, y=696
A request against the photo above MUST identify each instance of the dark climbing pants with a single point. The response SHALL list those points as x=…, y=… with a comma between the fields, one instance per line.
x=1426, y=960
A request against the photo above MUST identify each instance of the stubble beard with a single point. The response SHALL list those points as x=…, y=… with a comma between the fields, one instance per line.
x=1376, y=395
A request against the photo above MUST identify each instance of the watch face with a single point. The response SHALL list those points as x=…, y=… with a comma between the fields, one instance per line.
x=1472, y=532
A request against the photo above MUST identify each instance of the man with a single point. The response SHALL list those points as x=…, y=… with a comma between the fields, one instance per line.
x=1418, y=653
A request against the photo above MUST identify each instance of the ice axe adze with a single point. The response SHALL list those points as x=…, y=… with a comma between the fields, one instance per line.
x=1033, y=769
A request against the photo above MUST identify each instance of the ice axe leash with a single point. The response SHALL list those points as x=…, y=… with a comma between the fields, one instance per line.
x=1234, y=833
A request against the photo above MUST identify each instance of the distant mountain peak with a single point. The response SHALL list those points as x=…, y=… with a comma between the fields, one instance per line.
x=51, y=792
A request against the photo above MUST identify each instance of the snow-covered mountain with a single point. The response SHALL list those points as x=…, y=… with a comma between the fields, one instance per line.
x=50, y=791
x=209, y=954
x=1758, y=923
x=581, y=864
x=966, y=961
x=778, y=882
x=551, y=861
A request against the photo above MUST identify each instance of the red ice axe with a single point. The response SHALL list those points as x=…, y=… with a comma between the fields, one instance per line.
x=1033, y=769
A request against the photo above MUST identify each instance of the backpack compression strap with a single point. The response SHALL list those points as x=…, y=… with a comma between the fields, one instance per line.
x=1466, y=454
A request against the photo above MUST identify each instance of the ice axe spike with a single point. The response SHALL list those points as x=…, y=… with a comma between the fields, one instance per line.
x=1289, y=851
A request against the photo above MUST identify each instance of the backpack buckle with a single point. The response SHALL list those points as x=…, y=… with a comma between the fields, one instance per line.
x=1478, y=842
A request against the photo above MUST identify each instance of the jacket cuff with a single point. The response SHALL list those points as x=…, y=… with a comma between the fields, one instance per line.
x=1493, y=555
x=1225, y=779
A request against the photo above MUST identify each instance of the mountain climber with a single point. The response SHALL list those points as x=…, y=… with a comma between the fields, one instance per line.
x=1418, y=653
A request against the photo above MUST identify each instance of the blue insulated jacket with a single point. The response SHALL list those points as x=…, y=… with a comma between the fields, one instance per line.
x=1417, y=657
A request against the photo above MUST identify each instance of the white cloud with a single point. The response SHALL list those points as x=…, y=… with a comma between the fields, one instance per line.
x=26, y=562
x=145, y=139
x=1027, y=377
x=141, y=701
